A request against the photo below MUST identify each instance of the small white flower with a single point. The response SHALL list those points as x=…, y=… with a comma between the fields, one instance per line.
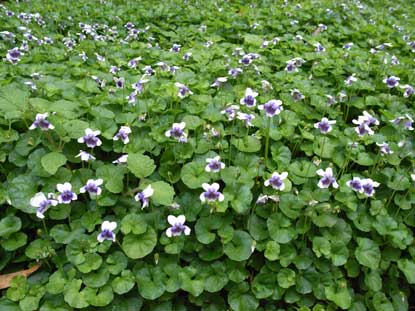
x=122, y=159
x=327, y=178
x=107, y=231
x=42, y=203
x=277, y=181
x=85, y=156
x=177, y=226
x=143, y=197
x=92, y=187
x=66, y=195
x=123, y=134
x=214, y=165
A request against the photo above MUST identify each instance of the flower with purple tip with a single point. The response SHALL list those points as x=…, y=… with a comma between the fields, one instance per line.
x=114, y=70
x=368, y=187
x=297, y=95
x=246, y=117
x=408, y=90
x=107, y=231
x=85, y=156
x=119, y=82
x=177, y=132
x=219, y=81
x=350, y=80
x=391, y=81
x=177, y=226
x=249, y=99
x=41, y=122
x=384, y=149
x=214, y=165
x=324, y=125
x=43, y=203
x=272, y=107
x=406, y=121
x=66, y=195
x=13, y=55
x=276, y=181
x=143, y=196
x=175, y=48
x=122, y=134
x=291, y=66
x=246, y=60
x=183, y=90
x=230, y=111
x=139, y=85
x=355, y=184
x=319, y=48
x=234, y=72
x=92, y=187
x=211, y=193
x=327, y=179
x=90, y=138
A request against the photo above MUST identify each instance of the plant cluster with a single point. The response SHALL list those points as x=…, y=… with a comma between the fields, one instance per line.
x=207, y=155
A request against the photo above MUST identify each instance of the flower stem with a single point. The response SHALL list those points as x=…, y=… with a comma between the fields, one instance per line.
x=230, y=143
x=267, y=141
x=322, y=146
x=44, y=226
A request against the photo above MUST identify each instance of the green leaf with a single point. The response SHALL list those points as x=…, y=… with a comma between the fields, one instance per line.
x=140, y=165
x=286, y=278
x=242, y=301
x=13, y=101
x=98, y=297
x=133, y=223
x=367, y=253
x=124, y=283
x=163, y=193
x=408, y=268
x=73, y=297
x=193, y=174
x=9, y=225
x=240, y=248
x=18, y=288
x=280, y=228
x=52, y=161
x=116, y=262
x=138, y=246
x=21, y=189
x=113, y=177
x=382, y=303
x=339, y=295
x=247, y=144
x=14, y=241
x=272, y=251
x=39, y=249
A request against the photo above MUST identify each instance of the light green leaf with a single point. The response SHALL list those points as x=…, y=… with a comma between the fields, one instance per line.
x=240, y=248
x=163, y=193
x=140, y=165
x=138, y=246
x=52, y=161
x=367, y=253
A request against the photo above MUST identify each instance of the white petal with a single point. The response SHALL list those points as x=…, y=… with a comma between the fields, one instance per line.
x=32, y=127
x=320, y=172
x=82, y=190
x=115, y=137
x=100, y=238
x=97, y=132
x=320, y=185
x=148, y=192
x=221, y=197
x=181, y=219
x=168, y=232
x=266, y=183
x=329, y=171
x=284, y=175
x=37, y=199
x=202, y=197
x=171, y=220
x=167, y=133
x=81, y=140
x=206, y=186
x=215, y=186
x=40, y=215
x=88, y=131
x=207, y=168
x=186, y=230
x=99, y=182
x=335, y=184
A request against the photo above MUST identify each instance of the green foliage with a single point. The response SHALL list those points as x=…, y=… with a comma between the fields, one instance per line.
x=295, y=244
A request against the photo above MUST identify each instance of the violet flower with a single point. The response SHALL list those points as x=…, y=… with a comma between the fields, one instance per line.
x=219, y=81
x=119, y=82
x=249, y=99
x=42, y=203
x=297, y=95
x=272, y=107
x=391, y=81
x=276, y=181
x=107, y=231
x=246, y=117
x=408, y=90
x=85, y=156
x=327, y=178
x=92, y=187
x=234, y=72
x=368, y=186
x=211, y=193
x=355, y=184
x=143, y=197
x=176, y=131
x=183, y=90
x=41, y=122
x=122, y=134
x=214, y=165
x=175, y=48
x=230, y=112
x=324, y=125
x=90, y=138
x=349, y=80
x=177, y=226
x=384, y=149
x=66, y=195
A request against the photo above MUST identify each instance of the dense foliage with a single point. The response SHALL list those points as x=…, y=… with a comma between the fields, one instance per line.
x=201, y=155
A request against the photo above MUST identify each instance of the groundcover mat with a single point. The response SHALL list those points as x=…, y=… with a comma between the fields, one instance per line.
x=207, y=155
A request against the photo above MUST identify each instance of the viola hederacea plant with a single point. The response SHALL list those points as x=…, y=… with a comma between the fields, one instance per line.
x=236, y=156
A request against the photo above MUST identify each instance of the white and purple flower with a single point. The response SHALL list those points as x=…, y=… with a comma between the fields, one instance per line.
x=85, y=156
x=177, y=132
x=119, y=82
x=324, y=125
x=183, y=90
x=214, y=165
x=355, y=184
x=272, y=107
x=90, y=138
x=384, y=149
x=246, y=117
x=391, y=81
x=177, y=226
x=230, y=111
x=234, y=72
x=175, y=48
x=327, y=179
x=92, y=187
x=122, y=134
x=249, y=99
x=350, y=79
x=211, y=193
x=66, y=195
x=406, y=120
x=297, y=95
x=219, y=81
x=43, y=203
x=276, y=181
x=13, y=55
x=143, y=196
x=41, y=122
x=107, y=231
x=368, y=187
x=408, y=90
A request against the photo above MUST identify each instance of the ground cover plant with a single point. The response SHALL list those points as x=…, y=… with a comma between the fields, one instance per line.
x=202, y=155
